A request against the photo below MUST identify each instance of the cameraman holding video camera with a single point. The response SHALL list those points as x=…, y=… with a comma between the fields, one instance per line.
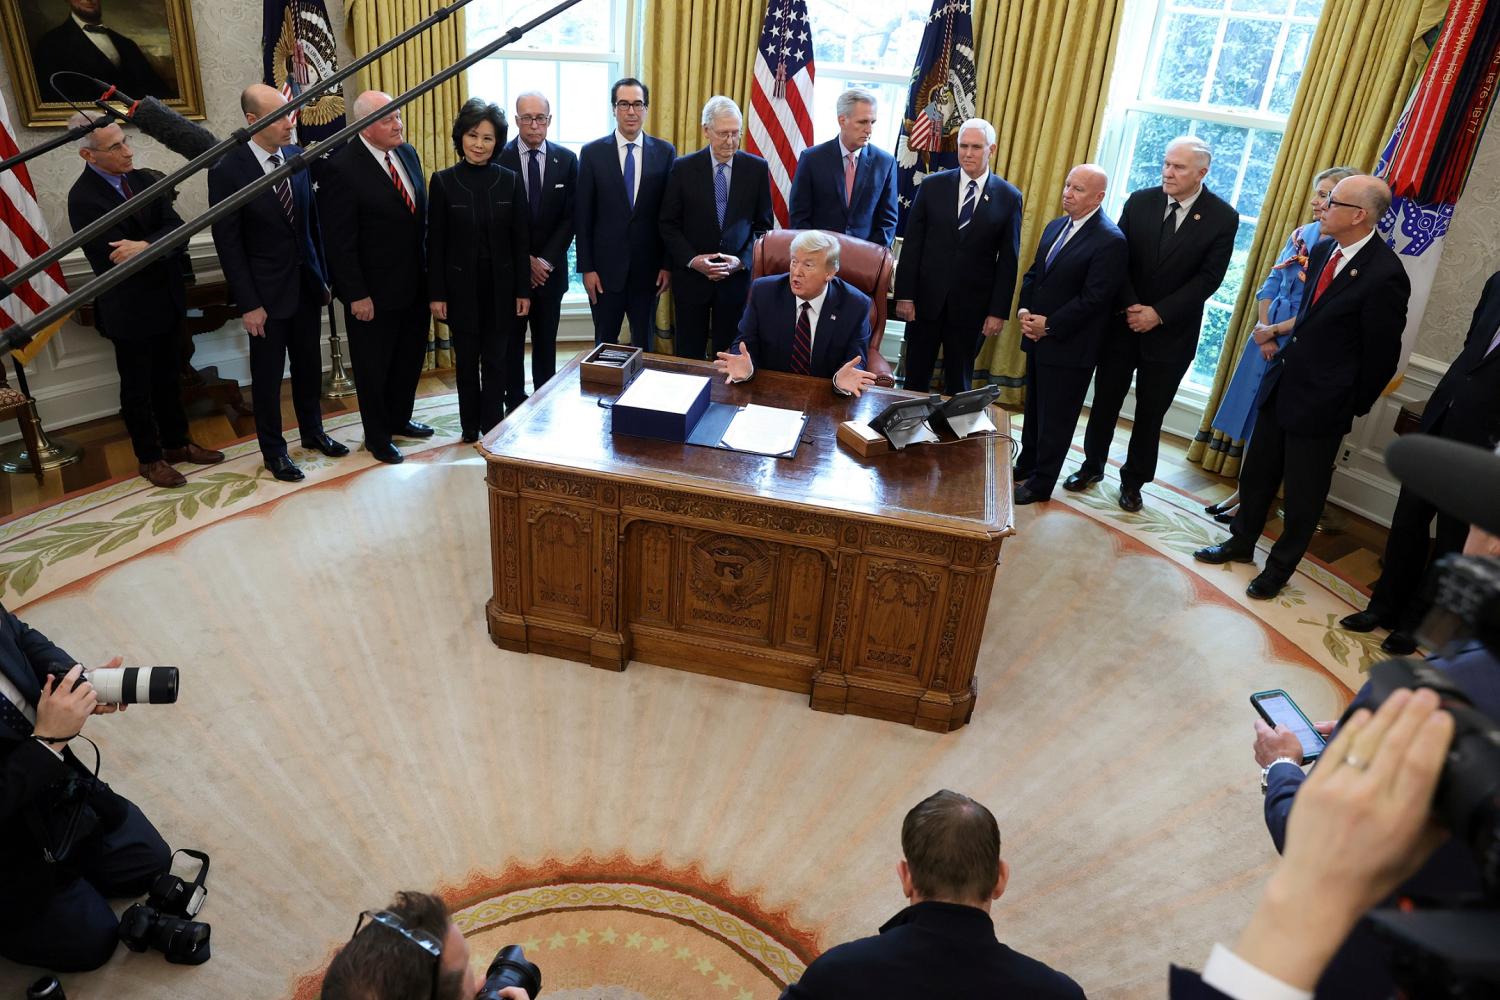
x=67, y=843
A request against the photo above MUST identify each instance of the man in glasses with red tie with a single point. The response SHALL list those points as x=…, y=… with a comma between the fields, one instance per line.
x=141, y=316
x=374, y=202
x=271, y=250
x=1343, y=351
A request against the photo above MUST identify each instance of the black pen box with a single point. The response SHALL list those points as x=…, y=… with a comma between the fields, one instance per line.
x=612, y=365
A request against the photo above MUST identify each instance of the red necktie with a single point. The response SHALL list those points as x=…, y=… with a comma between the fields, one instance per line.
x=802, y=344
x=1325, y=278
x=400, y=188
x=125, y=187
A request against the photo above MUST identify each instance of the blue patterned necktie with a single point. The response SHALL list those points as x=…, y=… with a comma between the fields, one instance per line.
x=630, y=174
x=721, y=192
x=1052, y=254
x=534, y=184
x=966, y=211
x=14, y=717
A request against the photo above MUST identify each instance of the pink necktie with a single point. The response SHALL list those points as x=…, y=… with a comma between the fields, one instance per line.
x=1493, y=344
x=848, y=178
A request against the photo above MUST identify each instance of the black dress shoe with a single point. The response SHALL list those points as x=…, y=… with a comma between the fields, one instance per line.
x=1081, y=480
x=1026, y=496
x=1130, y=499
x=387, y=453
x=1399, y=643
x=1224, y=552
x=1264, y=587
x=470, y=437
x=319, y=441
x=1224, y=518
x=412, y=429
x=284, y=469
x=1219, y=508
x=1365, y=621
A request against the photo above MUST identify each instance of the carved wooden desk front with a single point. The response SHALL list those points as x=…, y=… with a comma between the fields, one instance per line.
x=862, y=582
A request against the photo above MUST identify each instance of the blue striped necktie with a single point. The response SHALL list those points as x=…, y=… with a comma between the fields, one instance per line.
x=1052, y=254
x=966, y=211
x=721, y=192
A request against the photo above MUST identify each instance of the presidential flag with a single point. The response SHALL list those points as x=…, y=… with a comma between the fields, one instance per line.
x=780, y=125
x=299, y=50
x=941, y=98
x=23, y=238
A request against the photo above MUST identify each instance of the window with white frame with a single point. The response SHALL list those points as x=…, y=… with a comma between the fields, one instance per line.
x=1224, y=70
x=573, y=59
x=865, y=43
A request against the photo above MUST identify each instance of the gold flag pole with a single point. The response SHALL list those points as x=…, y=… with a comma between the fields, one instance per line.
x=51, y=453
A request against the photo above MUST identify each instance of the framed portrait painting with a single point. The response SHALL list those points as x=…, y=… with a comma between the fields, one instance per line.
x=141, y=47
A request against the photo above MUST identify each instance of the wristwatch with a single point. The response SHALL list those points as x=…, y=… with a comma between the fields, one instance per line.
x=1265, y=771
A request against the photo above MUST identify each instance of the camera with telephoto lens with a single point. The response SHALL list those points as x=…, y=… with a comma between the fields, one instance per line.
x=510, y=968
x=182, y=941
x=129, y=685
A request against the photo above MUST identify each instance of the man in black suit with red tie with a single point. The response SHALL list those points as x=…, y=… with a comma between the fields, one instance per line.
x=621, y=180
x=374, y=203
x=271, y=250
x=958, y=262
x=1067, y=298
x=718, y=200
x=141, y=317
x=1342, y=353
x=1181, y=236
x=549, y=173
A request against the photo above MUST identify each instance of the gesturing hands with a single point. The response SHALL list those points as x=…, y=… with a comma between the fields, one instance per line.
x=853, y=379
x=736, y=367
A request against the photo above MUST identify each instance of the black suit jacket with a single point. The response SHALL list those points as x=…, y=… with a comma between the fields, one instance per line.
x=28, y=770
x=690, y=219
x=375, y=244
x=931, y=951
x=150, y=303
x=817, y=198
x=269, y=262
x=453, y=250
x=1175, y=279
x=1343, y=350
x=1467, y=400
x=972, y=270
x=613, y=237
x=551, y=232
x=770, y=321
x=67, y=47
x=1077, y=293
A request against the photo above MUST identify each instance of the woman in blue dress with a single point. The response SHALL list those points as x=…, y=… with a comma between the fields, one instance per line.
x=1277, y=303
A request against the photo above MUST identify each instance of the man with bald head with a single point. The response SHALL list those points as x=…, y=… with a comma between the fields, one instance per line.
x=1067, y=299
x=374, y=204
x=271, y=250
x=1181, y=236
x=1343, y=351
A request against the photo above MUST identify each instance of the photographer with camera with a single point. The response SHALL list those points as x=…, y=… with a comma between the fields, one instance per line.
x=67, y=842
x=411, y=949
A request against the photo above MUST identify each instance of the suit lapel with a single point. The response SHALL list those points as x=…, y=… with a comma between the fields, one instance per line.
x=1189, y=221
x=1346, y=278
x=831, y=306
x=1084, y=232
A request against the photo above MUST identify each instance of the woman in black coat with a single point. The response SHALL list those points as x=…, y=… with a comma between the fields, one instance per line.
x=478, y=265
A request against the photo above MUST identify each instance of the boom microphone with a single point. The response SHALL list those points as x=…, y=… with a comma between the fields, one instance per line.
x=161, y=123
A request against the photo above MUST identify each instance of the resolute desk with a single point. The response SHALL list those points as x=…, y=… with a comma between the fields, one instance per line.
x=862, y=582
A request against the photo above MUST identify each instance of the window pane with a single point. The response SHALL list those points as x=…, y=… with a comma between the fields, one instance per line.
x=1229, y=290
x=588, y=27
x=1259, y=6
x=1308, y=8
x=1185, y=54
x=1244, y=62
x=1228, y=145
x=1257, y=180
x=1210, y=345
x=1289, y=73
x=876, y=36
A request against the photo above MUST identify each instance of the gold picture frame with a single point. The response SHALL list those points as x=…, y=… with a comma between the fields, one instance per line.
x=143, y=47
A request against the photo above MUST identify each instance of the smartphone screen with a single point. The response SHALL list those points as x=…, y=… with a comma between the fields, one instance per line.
x=1278, y=709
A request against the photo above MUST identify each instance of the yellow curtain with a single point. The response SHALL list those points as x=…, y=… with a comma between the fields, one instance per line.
x=1366, y=57
x=429, y=119
x=694, y=49
x=1044, y=69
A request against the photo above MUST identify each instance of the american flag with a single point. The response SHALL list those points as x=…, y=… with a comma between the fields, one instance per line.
x=780, y=126
x=927, y=130
x=23, y=237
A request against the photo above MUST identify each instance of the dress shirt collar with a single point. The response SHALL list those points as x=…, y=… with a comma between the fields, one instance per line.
x=1185, y=205
x=525, y=149
x=113, y=179
x=816, y=303
x=844, y=152
x=639, y=140
x=263, y=156
x=1080, y=223
x=1355, y=247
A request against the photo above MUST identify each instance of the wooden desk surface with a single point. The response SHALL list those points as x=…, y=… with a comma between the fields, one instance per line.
x=958, y=487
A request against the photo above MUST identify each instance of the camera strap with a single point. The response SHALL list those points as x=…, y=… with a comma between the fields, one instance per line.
x=58, y=852
x=175, y=895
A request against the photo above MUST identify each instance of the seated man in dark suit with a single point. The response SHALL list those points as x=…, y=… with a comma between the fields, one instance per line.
x=943, y=945
x=806, y=322
x=846, y=185
x=55, y=915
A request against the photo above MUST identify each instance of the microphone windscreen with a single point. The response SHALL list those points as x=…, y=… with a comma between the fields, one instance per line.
x=1462, y=480
x=169, y=128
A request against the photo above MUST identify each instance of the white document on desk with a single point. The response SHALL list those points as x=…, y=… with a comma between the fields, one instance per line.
x=668, y=392
x=764, y=430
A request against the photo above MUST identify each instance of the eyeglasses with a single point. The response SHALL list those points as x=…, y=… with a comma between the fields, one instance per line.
x=630, y=105
x=422, y=939
x=534, y=119
x=1335, y=203
x=726, y=136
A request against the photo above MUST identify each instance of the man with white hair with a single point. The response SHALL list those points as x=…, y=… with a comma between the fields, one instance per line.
x=847, y=185
x=1181, y=236
x=806, y=322
x=718, y=200
x=958, y=262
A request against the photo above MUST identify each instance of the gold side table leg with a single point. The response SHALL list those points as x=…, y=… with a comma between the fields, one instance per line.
x=338, y=383
x=52, y=453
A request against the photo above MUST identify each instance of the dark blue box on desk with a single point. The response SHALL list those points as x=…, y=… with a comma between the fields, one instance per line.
x=662, y=405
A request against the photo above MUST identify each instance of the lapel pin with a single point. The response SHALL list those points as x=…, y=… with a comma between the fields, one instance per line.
x=1196, y=216
x=1353, y=272
x=833, y=316
x=986, y=197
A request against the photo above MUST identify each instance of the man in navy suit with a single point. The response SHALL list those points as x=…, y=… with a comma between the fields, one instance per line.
x=549, y=173
x=271, y=250
x=1067, y=298
x=56, y=915
x=1342, y=353
x=621, y=179
x=718, y=201
x=806, y=322
x=846, y=185
x=958, y=262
